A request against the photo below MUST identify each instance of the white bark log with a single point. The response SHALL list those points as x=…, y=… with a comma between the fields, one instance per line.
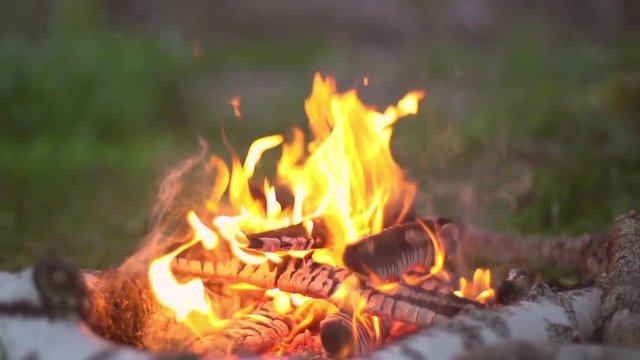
x=519, y=350
x=546, y=317
x=27, y=334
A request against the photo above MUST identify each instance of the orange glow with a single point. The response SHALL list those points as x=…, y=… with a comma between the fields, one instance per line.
x=479, y=288
x=195, y=48
x=235, y=102
x=345, y=175
x=365, y=81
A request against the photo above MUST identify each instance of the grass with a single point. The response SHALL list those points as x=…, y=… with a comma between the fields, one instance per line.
x=523, y=134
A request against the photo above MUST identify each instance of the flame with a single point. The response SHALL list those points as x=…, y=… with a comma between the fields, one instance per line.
x=365, y=81
x=345, y=175
x=479, y=288
x=235, y=102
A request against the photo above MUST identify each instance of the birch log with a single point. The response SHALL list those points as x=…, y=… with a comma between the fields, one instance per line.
x=621, y=297
x=40, y=317
x=343, y=337
x=544, y=317
x=519, y=350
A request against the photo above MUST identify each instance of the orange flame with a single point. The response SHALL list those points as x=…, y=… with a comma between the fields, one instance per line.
x=479, y=288
x=346, y=175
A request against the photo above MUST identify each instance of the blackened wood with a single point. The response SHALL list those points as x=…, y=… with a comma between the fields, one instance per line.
x=514, y=288
x=409, y=304
x=545, y=316
x=395, y=250
x=342, y=336
x=293, y=237
x=621, y=297
x=255, y=333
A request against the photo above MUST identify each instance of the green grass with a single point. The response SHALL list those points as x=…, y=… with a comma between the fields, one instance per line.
x=91, y=122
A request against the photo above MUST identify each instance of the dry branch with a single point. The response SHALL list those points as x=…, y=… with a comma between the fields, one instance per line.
x=412, y=305
x=585, y=254
x=342, y=336
x=518, y=350
x=621, y=296
x=545, y=317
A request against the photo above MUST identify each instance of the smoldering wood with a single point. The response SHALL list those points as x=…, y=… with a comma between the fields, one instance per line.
x=584, y=254
x=395, y=250
x=519, y=350
x=544, y=316
x=55, y=288
x=255, y=333
x=293, y=237
x=405, y=303
x=343, y=337
x=621, y=296
x=514, y=288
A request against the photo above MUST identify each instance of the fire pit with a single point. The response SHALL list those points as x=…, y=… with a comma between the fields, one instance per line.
x=326, y=260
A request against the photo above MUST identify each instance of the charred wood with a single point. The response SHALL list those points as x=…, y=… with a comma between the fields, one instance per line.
x=405, y=303
x=293, y=237
x=343, y=336
x=515, y=288
x=395, y=250
x=255, y=333
x=621, y=296
x=545, y=316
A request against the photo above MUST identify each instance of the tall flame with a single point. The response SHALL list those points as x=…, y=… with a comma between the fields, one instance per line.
x=346, y=175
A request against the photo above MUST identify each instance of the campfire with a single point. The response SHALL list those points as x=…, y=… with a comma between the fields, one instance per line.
x=326, y=259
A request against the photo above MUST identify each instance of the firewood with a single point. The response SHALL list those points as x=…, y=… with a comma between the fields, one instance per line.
x=392, y=252
x=405, y=303
x=40, y=317
x=342, y=336
x=515, y=288
x=519, y=350
x=293, y=237
x=621, y=296
x=255, y=333
x=585, y=254
x=546, y=316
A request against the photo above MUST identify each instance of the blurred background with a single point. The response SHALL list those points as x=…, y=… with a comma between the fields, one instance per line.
x=531, y=122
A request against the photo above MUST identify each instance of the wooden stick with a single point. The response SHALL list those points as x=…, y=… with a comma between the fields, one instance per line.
x=545, y=317
x=621, y=297
x=343, y=337
x=585, y=254
x=394, y=251
x=409, y=304
x=255, y=333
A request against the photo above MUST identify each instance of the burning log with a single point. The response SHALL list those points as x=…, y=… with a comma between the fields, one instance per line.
x=293, y=237
x=342, y=336
x=395, y=250
x=545, y=316
x=255, y=333
x=405, y=303
x=584, y=254
x=525, y=350
x=40, y=317
x=621, y=296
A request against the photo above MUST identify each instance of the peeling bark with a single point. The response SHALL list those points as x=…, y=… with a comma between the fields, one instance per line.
x=53, y=327
x=544, y=317
x=621, y=296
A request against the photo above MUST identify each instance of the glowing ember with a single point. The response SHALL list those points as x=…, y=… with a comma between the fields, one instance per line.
x=235, y=102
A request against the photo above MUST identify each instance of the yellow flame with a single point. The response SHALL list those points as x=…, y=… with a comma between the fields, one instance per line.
x=479, y=288
x=345, y=175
